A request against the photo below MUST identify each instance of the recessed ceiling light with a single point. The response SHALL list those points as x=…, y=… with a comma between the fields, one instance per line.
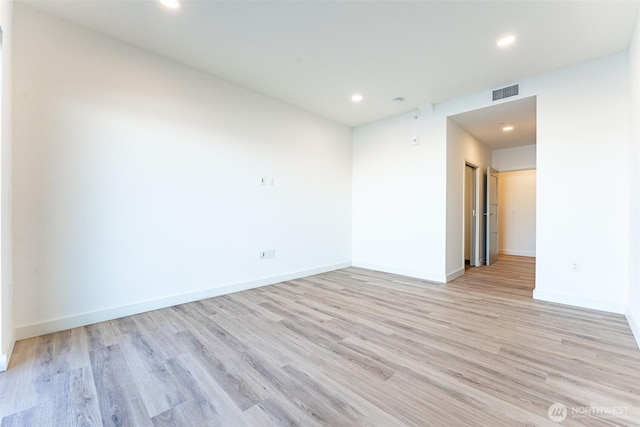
x=507, y=128
x=398, y=100
x=356, y=97
x=171, y=4
x=506, y=41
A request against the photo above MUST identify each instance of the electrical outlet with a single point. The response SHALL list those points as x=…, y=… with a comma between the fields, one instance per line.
x=267, y=254
x=575, y=266
x=267, y=181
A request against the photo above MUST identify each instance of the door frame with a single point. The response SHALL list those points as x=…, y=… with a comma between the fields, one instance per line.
x=491, y=172
x=475, y=224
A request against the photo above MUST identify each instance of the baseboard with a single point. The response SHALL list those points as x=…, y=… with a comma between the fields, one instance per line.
x=84, y=319
x=455, y=275
x=634, y=324
x=5, y=357
x=517, y=253
x=518, y=169
x=610, y=307
x=401, y=272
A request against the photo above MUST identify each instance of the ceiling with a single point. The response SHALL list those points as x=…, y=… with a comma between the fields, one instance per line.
x=486, y=124
x=316, y=54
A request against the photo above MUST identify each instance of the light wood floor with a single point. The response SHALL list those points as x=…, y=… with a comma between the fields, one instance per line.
x=350, y=347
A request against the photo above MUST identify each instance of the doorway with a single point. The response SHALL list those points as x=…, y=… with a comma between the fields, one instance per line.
x=492, y=216
x=470, y=210
x=517, y=213
x=501, y=137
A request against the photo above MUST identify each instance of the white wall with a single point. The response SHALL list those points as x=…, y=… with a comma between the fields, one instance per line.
x=517, y=193
x=7, y=337
x=517, y=213
x=514, y=159
x=582, y=156
x=404, y=220
x=462, y=147
x=399, y=196
x=633, y=309
x=137, y=181
x=583, y=182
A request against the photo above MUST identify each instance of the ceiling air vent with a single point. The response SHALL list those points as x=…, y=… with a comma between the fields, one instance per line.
x=505, y=92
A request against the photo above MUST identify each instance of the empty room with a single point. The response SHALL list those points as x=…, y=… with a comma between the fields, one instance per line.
x=319, y=213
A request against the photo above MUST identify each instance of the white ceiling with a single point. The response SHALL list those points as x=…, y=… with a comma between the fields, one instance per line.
x=486, y=123
x=316, y=54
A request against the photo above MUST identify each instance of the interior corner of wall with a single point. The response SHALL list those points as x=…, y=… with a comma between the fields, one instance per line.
x=5, y=357
x=634, y=323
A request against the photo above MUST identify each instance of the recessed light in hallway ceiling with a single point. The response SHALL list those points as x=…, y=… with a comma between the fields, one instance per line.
x=506, y=40
x=171, y=4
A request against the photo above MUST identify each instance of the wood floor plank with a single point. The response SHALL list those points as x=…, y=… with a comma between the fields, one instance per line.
x=83, y=399
x=21, y=419
x=348, y=347
x=224, y=371
x=118, y=396
x=207, y=399
x=156, y=386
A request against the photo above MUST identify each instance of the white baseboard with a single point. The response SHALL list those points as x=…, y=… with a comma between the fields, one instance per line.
x=517, y=169
x=84, y=319
x=455, y=275
x=401, y=271
x=516, y=253
x=6, y=355
x=634, y=324
x=611, y=307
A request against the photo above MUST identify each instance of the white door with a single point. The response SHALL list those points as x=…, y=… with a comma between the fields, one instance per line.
x=492, y=216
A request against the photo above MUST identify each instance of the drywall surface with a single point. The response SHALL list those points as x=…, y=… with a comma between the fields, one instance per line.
x=517, y=213
x=514, y=159
x=399, y=215
x=462, y=147
x=405, y=196
x=633, y=308
x=582, y=183
x=138, y=181
x=7, y=337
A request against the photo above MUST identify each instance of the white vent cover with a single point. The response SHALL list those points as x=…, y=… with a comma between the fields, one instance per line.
x=505, y=92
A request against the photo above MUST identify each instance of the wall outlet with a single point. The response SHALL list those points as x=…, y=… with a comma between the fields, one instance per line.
x=575, y=266
x=267, y=254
